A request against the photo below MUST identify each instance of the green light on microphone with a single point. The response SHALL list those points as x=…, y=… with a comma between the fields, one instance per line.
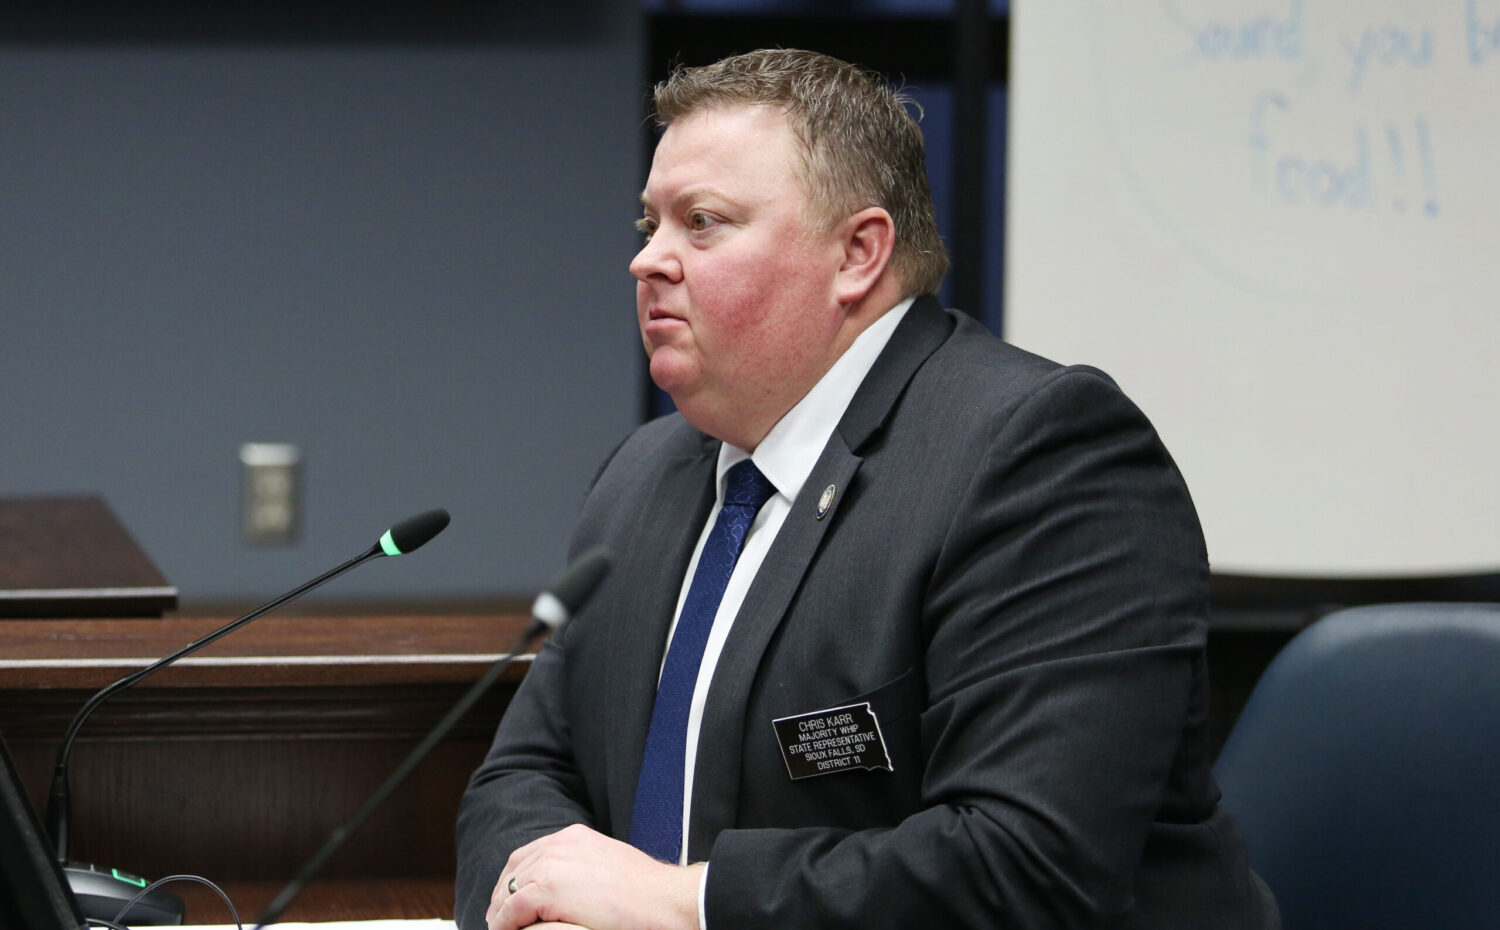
x=388, y=544
x=135, y=879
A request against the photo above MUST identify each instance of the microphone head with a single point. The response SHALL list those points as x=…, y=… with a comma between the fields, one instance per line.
x=412, y=533
x=571, y=589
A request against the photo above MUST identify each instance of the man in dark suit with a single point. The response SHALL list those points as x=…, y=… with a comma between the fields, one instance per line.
x=949, y=669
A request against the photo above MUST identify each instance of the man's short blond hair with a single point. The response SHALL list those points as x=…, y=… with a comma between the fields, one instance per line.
x=860, y=145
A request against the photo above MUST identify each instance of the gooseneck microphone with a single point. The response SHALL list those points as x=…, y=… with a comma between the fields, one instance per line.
x=551, y=609
x=102, y=894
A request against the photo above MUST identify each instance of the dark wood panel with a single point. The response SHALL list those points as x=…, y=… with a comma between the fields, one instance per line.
x=237, y=767
x=164, y=794
x=402, y=711
x=409, y=899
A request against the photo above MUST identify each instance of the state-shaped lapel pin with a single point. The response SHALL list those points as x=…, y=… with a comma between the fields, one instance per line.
x=826, y=501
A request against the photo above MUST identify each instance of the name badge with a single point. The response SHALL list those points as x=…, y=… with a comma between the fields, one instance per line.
x=839, y=739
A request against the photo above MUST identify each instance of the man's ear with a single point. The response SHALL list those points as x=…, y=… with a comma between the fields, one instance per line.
x=869, y=237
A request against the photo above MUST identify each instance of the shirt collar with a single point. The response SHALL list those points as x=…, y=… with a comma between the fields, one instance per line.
x=790, y=450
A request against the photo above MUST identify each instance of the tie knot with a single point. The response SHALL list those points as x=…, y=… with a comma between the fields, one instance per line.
x=745, y=486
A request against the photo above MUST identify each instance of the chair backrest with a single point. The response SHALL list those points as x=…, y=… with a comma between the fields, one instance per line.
x=1365, y=770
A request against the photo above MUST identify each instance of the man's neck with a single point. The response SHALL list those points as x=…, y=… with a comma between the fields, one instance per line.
x=850, y=373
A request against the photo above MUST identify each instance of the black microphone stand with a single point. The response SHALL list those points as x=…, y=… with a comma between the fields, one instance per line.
x=103, y=894
x=58, y=799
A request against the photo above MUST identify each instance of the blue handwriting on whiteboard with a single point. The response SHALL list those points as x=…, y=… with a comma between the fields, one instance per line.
x=1295, y=178
x=1483, y=39
x=1257, y=37
x=1388, y=45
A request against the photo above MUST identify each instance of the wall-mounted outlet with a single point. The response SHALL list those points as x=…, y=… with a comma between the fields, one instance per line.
x=271, y=490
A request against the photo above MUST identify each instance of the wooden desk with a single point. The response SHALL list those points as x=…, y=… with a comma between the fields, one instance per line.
x=236, y=763
x=69, y=556
x=325, y=900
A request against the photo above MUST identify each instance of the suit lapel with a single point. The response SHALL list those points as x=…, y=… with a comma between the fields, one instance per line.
x=925, y=327
x=680, y=496
x=716, y=777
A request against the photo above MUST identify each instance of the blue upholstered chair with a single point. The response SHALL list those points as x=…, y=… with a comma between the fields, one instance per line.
x=1365, y=770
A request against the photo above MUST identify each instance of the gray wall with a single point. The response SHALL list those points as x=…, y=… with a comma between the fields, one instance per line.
x=408, y=259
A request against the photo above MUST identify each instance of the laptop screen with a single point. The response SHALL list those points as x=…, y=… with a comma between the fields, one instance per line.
x=33, y=893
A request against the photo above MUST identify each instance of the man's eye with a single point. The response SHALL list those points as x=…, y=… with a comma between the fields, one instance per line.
x=645, y=227
x=698, y=222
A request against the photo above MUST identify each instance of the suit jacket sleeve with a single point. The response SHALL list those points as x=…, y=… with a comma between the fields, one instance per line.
x=526, y=788
x=1063, y=617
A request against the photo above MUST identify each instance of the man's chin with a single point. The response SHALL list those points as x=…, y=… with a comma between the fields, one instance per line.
x=673, y=374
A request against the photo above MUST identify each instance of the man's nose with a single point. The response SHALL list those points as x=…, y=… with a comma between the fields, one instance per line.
x=656, y=259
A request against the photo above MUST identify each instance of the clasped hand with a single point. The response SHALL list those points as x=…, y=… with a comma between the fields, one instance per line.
x=579, y=877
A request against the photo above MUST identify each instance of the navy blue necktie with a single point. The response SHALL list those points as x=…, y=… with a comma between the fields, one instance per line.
x=656, y=821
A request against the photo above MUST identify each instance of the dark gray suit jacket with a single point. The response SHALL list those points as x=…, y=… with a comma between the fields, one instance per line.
x=1011, y=573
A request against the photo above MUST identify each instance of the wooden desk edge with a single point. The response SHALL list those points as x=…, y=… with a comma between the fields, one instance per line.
x=273, y=652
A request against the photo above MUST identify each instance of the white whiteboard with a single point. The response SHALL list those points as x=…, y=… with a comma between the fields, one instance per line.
x=1277, y=225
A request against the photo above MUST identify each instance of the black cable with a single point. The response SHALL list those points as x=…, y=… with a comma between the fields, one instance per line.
x=174, y=878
